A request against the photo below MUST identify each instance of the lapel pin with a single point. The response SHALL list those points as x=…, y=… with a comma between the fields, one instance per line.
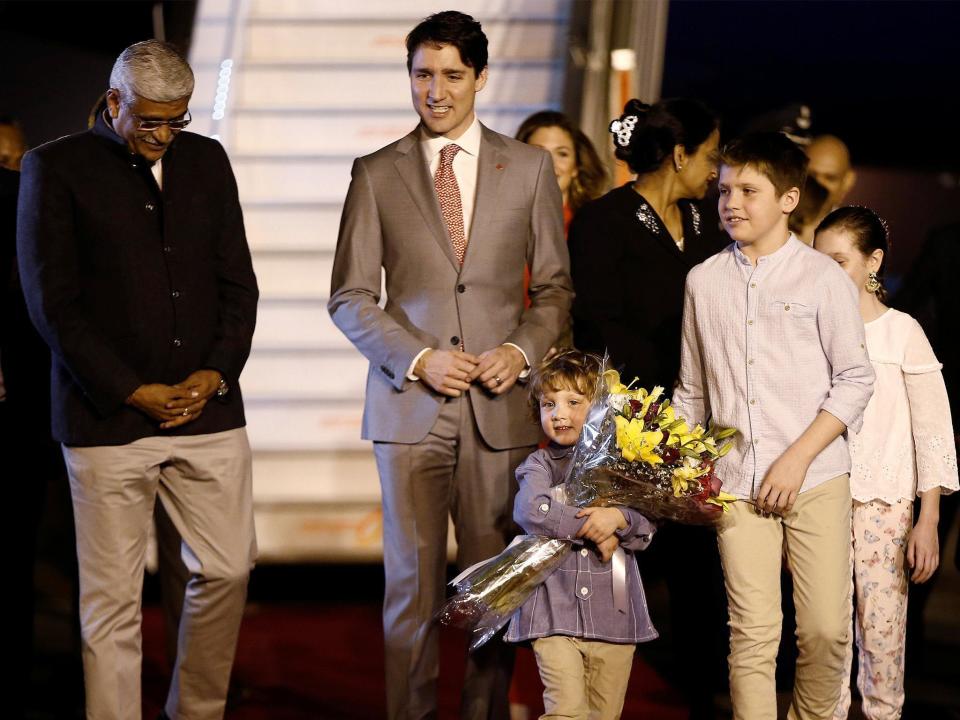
x=499, y=166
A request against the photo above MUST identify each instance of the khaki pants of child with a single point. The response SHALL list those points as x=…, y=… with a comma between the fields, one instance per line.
x=582, y=679
x=816, y=537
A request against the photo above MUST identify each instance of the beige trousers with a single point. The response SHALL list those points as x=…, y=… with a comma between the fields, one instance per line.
x=204, y=483
x=582, y=679
x=816, y=536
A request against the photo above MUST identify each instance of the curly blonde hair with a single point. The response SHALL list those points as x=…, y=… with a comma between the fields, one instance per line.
x=569, y=369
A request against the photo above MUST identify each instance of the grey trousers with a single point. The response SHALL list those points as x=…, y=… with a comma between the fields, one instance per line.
x=204, y=483
x=452, y=472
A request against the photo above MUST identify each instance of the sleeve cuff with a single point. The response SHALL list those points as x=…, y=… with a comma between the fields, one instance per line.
x=416, y=358
x=525, y=373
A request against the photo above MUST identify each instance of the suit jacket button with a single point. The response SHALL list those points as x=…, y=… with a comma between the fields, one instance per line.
x=454, y=340
x=461, y=288
x=149, y=206
x=177, y=342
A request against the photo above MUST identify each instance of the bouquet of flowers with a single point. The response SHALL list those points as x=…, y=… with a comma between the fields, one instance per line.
x=633, y=451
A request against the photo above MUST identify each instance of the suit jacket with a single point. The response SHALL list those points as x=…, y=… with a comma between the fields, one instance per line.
x=629, y=277
x=130, y=285
x=392, y=220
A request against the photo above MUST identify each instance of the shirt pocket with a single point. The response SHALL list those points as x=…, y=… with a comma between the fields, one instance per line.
x=792, y=310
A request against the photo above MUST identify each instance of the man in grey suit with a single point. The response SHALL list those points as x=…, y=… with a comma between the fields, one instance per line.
x=451, y=213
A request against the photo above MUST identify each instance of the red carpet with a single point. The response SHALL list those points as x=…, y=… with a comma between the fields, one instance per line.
x=324, y=660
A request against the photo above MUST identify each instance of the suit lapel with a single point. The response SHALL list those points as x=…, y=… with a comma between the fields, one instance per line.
x=415, y=175
x=492, y=163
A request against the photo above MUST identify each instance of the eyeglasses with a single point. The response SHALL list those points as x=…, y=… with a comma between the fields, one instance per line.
x=174, y=125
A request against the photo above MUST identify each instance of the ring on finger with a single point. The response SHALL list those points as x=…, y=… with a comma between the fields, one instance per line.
x=497, y=380
x=186, y=411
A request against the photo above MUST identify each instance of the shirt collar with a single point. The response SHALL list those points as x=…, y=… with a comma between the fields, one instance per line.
x=103, y=128
x=469, y=142
x=786, y=250
x=557, y=451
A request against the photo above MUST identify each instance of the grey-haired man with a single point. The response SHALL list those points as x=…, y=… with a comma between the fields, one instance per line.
x=138, y=276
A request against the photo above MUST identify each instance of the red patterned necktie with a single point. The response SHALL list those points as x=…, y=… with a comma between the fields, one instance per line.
x=448, y=192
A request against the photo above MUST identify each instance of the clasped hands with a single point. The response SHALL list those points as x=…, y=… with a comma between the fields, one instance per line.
x=600, y=527
x=175, y=405
x=451, y=372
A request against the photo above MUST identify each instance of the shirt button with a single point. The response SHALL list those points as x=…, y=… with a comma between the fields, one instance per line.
x=583, y=591
x=786, y=307
x=177, y=342
x=175, y=294
x=149, y=206
x=753, y=401
x=755, y=442
x=461, y=288
x=584, y=552
x=454, y=340
x=544, y=508
x=749, y=322
x=750, y=361
x=753, y=285
x=167, y=249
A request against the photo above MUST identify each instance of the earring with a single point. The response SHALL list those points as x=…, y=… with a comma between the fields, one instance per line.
x=873, y=284
x=679, y=167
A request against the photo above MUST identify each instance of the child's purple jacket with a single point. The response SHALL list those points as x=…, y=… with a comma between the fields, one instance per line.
x=578, y=598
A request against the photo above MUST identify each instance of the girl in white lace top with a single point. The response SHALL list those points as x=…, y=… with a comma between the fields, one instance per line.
x=904, y=449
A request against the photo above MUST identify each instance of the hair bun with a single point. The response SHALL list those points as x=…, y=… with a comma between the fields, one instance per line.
x=623, y=127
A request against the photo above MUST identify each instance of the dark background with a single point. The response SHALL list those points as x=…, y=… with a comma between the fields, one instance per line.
x=881, y=75
x=56, y=57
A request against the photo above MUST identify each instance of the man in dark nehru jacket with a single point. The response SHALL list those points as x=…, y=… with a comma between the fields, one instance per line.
x=137, y=274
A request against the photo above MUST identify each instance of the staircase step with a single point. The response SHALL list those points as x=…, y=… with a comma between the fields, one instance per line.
x=316, y=477
x=294, y=276
x=292, y=179
x=290, y=425
x=307, y=227
x=281, y=40
x=339, y=134
x=304, y=325
x=374, y=89
x=304, y=375
x=410, y=11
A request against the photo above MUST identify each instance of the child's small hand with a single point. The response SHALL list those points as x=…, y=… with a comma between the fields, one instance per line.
x=601, y=523
x=608, y=547
x=923, y=551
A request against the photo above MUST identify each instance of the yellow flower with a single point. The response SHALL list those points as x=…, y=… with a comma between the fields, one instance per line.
x=612, y=379
x=635, y=443
x=684, y=474
x=722, y=500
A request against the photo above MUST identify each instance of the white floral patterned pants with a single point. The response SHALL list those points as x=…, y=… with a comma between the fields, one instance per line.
x=878, y=554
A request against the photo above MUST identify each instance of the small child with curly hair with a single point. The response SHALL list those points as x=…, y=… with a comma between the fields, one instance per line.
x=584, y=622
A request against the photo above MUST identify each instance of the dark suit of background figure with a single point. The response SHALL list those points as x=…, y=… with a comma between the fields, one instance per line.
x=929, y=293
x=628, y=278
x=131, y=285
x=440, y=456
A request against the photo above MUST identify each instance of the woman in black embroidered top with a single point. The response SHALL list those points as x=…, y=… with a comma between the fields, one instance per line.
x=630, y=250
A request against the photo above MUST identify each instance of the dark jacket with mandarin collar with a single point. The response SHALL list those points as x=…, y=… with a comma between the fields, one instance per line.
x=628, y=276
x=130, y=285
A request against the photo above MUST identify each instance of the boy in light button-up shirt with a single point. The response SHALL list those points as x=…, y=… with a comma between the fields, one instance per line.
x=773, y=345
